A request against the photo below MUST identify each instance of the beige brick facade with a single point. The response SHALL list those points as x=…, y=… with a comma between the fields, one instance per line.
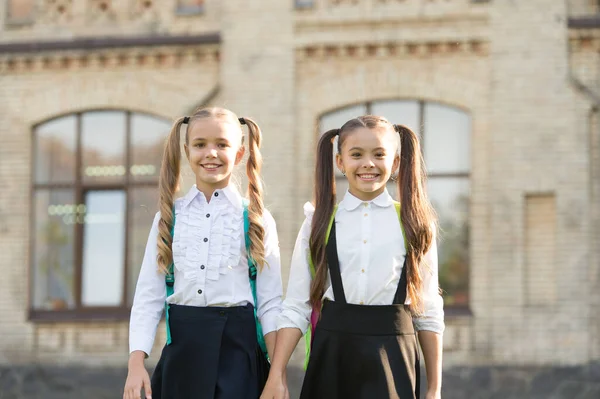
x=528, y=82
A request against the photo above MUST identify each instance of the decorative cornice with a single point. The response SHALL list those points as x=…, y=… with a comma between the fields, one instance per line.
x=155, y=57
x=393, y=49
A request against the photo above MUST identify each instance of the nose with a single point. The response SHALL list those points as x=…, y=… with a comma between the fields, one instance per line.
x=369, y=164
x=212, y=153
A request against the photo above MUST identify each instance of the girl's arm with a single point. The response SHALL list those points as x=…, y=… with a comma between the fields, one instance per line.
x=431, y=344
x=430, y=325
x=268, y=284
x=295, y=316
x=146, y=311
x=149, y=299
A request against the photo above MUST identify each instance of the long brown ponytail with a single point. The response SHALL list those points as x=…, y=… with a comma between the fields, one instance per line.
x=324, y=205
x=255, y=194
x=417, y=215
x=170, y=171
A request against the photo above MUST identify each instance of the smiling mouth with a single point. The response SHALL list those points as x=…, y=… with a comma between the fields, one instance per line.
x=368, y=176
x=211, y=166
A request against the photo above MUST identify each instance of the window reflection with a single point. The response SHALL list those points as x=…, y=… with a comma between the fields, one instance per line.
x=103, y=248
x=103, y=146
x=147, y=142
x=55, y=151
x=447, y=139
x=143, y=205
x=53, y=272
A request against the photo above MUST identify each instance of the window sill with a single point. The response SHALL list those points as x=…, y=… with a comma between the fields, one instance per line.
x=81, y=315
x=19, y=22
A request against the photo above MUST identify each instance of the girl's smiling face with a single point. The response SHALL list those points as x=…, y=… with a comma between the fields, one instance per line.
x=368, y=157
x=214, y=147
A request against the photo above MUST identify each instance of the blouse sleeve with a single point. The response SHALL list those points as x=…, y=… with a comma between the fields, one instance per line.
x=432, y=318
x=296, y=306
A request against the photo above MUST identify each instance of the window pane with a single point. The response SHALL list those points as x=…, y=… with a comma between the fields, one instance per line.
x=447, y=144
x=148, y=136
x=336, y=119
x=190, y=5
x=103, y=145
x=55, y=143
x=143, y=205
x=20, y=9
x=54, y=213
x=399, y=112
x=450, y=198
x=103, y=248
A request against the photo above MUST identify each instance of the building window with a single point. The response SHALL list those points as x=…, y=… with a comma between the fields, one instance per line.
x=95, y=193
x=20, y=10
x=445, y=139
x=304, y=3
x=190, y=7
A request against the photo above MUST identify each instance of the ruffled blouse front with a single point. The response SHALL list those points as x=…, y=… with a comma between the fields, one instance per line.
x=211, y=265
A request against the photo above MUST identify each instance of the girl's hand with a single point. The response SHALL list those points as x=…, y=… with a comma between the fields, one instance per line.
x=137, y=378
x=431, y=394
x=276, y=388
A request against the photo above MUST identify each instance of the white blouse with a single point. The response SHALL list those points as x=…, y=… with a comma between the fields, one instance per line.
x=211, y=266
x=371, y=253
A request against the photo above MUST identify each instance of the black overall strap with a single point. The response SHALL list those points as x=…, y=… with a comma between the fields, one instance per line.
x=334, y=267
x=400, y=296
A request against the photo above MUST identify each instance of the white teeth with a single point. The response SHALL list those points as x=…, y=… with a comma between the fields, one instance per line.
x=367, y=176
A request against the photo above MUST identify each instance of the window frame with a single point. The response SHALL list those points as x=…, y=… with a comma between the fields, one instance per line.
x=451, y=309
x=79, y=312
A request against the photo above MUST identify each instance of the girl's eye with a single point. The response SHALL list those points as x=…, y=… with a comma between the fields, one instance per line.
x=223, y=145
x=380, y=155
x=199, y=145
x=355, y=154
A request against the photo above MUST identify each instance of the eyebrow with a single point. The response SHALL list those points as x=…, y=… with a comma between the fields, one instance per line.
x=360, y=149
x=203, y=139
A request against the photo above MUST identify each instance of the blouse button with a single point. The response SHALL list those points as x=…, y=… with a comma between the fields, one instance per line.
x=366, y=214
x=202, y=267
x=208, y=215
x=362, y=271
x=365, y=204
x=205, y=239
x=199, y=291
x=216, y=194
x=364, y=241
x=362, y=303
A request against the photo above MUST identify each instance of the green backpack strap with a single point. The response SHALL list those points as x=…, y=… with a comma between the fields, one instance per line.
x=313, y=272
x=398, y=211
x=170, y=283
x=252, y=273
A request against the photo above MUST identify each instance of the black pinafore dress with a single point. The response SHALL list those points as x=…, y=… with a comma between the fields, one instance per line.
x=362, y=351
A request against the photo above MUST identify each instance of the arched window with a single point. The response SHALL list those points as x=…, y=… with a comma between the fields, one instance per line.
x=445, y=139
x=95, y=193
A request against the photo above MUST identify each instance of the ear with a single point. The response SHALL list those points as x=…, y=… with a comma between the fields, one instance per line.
x=187, y=151
x=339, y=163
x=396, y=164
x=240, y=155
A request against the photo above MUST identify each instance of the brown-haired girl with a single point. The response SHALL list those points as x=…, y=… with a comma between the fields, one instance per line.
x=196, y=260
x=374, y=266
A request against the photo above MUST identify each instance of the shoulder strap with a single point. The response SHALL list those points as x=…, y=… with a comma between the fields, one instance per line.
x=170, y=282
x=398, y=211
x=311, y=265
x=252, y=272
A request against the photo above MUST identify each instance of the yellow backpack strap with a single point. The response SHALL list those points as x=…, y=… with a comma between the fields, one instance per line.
x=311, y=265
x=398, y=209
